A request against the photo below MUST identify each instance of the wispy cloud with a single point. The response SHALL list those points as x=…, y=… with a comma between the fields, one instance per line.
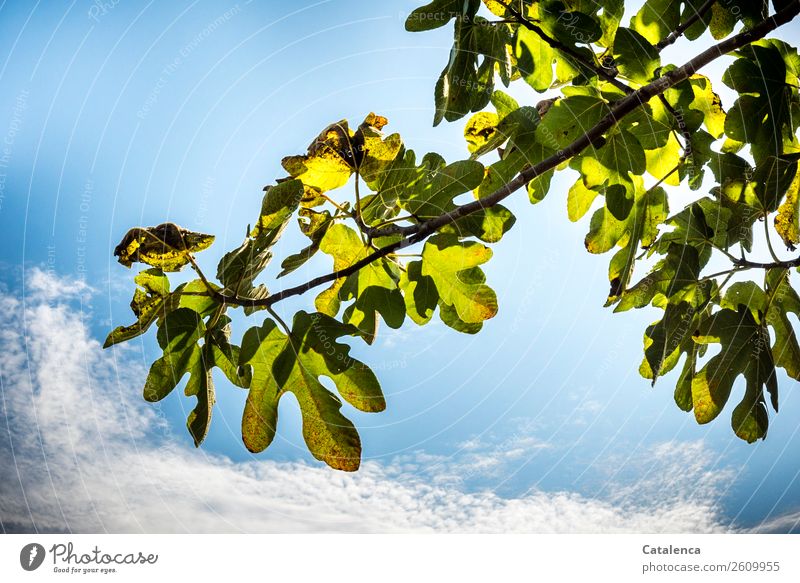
x=82, y=452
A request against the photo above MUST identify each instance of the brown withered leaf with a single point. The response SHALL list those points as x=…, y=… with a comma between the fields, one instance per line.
x=166, y=246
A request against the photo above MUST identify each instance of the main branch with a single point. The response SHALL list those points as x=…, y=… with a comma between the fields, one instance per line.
x=413, y=234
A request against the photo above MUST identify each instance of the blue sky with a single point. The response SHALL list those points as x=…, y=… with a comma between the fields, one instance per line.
x=135, y=113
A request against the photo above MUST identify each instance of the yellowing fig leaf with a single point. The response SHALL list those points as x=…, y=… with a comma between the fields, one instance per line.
x=481, y=131
x=787, y=221
x=374, y=287
x=338, y=152
x=150, y=302
x=744, y=351
x=166, y=246
x=453, y=267
x=330, y=160
x=497, y=7
x=709, y=104
x=294, y=364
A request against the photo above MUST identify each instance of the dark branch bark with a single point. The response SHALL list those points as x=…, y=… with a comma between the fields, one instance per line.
x=746, y=263
x=604, y=74
x=413, y=234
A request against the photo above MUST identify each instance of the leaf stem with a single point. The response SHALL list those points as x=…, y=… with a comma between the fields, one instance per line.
x=388, y=222
x=336, y=204
x=278, y=319
x=212, y=321
x=362, y=228
x=202, y=276
x=769, y=240
x=687, y=136
x=728, y=272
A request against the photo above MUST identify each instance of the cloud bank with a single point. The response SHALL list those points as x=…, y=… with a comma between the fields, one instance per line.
x=81, y=452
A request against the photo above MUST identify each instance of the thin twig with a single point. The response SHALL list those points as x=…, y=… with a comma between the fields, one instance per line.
x=357, y=212
x=728, y=255
x=687, y=136
x=728, y=272
x=212, y=321
x=666, y=176
x=684, y=26
x=408, y=219
x=774, y=265
x=569, y=51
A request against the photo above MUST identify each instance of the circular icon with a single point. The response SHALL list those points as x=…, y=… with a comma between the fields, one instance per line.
x=31, y=556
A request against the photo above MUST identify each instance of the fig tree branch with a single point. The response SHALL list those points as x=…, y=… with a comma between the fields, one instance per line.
x=416, y=233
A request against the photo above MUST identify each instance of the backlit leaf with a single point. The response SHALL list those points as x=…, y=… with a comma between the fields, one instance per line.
x=453, y=267
x=781, y=300
x=570, y=118
x=433, y=15
x=374, y=288
x=787, y=222
x=419, y=293
x=744, y=351
x=635, y=56
x=295, y=364
x=151, y=301
x=238, y=269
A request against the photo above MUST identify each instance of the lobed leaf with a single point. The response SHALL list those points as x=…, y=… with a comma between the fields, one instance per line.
x=453, y=267
x=374, y=287
x=151, y=300
x=294, y=364
x=744, y=351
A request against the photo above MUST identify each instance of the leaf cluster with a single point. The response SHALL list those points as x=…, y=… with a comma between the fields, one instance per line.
x=627, y=128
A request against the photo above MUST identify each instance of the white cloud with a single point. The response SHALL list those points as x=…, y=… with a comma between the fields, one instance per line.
x=44, y=286
x=82, y=452
x=781, y=524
